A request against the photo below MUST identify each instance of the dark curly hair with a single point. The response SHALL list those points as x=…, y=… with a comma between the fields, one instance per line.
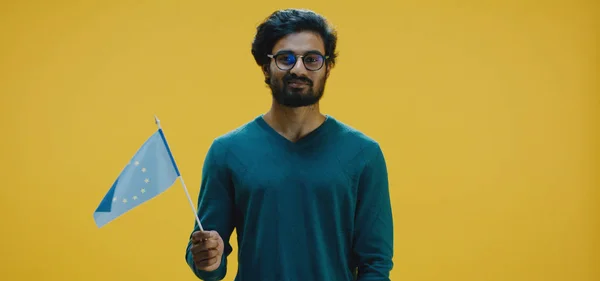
x=283, y=22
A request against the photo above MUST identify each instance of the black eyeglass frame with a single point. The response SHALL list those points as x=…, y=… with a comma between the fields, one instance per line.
x=302, y=57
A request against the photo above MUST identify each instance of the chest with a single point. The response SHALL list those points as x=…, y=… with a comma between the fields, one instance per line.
x=296, y=176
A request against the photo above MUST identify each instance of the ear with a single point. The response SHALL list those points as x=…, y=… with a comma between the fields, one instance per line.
x=266, y=72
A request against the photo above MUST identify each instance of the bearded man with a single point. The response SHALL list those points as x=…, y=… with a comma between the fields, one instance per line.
x=307, y=194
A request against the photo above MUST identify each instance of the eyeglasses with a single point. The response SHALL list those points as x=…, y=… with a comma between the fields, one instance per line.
x=286, y=61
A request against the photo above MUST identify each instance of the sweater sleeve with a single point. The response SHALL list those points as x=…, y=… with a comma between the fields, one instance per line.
x=215, y=208
x=374, y=230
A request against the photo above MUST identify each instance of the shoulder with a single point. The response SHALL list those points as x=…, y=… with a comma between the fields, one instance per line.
x=367, y=160
x=357, y=140
x=222, y=146
x=237, y=135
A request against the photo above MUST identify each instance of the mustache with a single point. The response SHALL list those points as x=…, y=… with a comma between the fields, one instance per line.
x=289, y=77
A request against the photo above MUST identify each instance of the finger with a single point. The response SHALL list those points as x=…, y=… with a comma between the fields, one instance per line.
x=195, y=240
x=209, y=243
x=206, y=262
x=205, y=255
x=204, y=235
x=204, y=246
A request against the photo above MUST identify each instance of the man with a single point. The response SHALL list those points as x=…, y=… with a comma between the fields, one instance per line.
x=307, y=194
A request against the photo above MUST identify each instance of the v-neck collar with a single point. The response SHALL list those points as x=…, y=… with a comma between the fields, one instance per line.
x=302, y=142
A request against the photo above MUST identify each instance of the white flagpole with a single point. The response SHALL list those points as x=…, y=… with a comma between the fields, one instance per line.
x=183, y=183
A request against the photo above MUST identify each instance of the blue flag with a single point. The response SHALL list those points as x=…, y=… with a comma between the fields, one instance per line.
x=151, y=171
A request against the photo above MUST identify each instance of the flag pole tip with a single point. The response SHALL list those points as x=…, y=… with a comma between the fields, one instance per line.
x=157, y=121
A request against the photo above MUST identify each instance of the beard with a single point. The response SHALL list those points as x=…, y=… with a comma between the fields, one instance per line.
x=296, y=97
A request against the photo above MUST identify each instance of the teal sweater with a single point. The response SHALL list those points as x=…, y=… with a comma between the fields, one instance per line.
x=314, y=210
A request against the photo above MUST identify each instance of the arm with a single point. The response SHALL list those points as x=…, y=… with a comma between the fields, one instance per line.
x=215, y=208
x=374, y=230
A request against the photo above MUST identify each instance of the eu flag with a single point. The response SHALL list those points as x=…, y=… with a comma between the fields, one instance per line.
x=150, y=171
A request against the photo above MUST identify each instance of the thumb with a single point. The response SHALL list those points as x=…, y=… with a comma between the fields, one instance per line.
x=204, y=235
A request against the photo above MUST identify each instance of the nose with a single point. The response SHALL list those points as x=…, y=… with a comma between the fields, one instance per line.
x=299, y=68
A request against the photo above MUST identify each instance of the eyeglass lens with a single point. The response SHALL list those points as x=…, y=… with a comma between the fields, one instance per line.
x=311, y=61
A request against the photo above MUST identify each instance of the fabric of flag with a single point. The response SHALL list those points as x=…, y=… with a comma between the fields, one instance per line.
x=151, y=171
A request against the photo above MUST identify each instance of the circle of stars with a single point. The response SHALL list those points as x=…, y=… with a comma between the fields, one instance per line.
x=143, y=190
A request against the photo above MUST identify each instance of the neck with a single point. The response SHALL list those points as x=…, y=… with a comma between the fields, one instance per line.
x=294, y=123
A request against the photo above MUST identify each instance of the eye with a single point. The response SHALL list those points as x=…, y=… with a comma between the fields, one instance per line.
x=286, y=59
x=313, y=59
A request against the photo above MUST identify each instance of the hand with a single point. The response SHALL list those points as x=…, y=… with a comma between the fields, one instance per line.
x=207, y=250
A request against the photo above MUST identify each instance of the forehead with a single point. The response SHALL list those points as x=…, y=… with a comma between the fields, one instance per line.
x=300, y=43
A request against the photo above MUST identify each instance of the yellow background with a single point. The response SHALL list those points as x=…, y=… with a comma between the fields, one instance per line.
x=487, y=112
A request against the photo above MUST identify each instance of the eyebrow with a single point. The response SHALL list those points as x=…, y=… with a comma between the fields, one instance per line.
x=290, y=51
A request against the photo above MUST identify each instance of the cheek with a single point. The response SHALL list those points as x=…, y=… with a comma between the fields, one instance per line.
x=318, y=79
x=276, y=76
x=269, y=71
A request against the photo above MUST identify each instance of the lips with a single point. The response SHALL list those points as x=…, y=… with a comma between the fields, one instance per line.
x=297, y=83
